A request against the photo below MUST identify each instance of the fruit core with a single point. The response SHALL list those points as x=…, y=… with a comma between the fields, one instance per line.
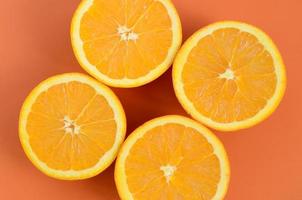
x=228, y=74
x=168, y=171
x=127, y=34
x=70, y=126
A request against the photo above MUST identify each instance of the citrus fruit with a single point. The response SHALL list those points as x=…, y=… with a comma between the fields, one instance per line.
x=172, y=157
x=125, y=43
x=229, y=76
x=71, y=126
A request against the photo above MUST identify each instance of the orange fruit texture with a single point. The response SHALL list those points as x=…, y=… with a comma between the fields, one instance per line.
x=172, y=157
x=71, y=126
x=126, y=43
x=229, y=75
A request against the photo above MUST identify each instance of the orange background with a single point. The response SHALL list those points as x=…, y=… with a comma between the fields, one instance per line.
x=266, y=160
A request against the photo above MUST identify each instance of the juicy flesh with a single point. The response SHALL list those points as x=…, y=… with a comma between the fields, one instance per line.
x=229, y=76
x=70, y=126
x=126, y=39
x=172, y=162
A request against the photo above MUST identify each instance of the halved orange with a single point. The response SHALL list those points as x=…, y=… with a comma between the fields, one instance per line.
x=125, y=43
x=172, y=157
x=71, y=126
x=229, y=76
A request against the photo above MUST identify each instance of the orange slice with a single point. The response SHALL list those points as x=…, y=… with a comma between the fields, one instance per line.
x=172, y=157
x=229, y=76
x=71, y=126
x=125, y=43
